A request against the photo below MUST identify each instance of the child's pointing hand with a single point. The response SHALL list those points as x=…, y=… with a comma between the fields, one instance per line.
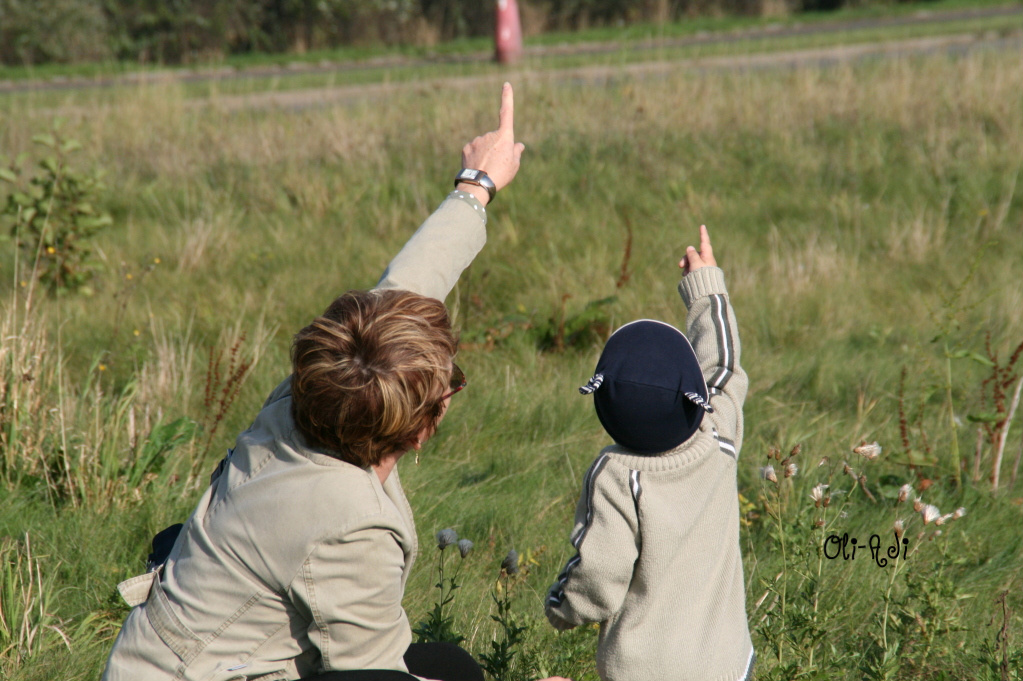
x=694, y=259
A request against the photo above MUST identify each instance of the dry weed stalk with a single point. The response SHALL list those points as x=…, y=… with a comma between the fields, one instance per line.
x=226, y=376
x=996, y=426
x=223, y=385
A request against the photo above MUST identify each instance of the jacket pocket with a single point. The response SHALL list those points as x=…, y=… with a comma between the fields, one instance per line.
x=176, y=635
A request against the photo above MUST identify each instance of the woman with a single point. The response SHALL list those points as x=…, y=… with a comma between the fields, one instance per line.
x=293, y=565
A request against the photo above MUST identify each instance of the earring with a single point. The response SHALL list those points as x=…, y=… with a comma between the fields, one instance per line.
x=417, y=457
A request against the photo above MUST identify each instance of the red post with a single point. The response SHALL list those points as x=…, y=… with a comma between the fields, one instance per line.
x=507, y=32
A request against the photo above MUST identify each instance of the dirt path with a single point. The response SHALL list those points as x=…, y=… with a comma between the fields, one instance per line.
x=322, y=96
x=599, y=75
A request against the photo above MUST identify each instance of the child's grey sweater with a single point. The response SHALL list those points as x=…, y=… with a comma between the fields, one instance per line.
x=658, y=562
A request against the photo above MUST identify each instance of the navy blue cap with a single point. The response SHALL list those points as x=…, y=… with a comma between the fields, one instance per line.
x=648, y=389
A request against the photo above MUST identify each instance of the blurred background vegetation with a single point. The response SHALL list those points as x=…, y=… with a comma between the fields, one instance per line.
x=34, y=32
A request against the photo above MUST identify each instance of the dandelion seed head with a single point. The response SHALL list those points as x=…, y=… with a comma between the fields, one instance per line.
x=868, y=451
x=446, y=538
x=767, y=473
x=464, y=547
x=930, y=513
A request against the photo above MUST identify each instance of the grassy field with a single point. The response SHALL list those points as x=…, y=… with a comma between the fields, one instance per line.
x=868, y=219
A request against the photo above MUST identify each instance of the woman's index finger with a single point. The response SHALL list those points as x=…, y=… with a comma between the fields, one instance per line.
x=507, y=113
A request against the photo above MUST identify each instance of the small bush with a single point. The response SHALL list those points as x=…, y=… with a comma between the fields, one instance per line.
x=54, y=216
x=65, y=31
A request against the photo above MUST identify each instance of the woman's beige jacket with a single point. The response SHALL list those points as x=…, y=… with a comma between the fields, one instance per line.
x=293, y=562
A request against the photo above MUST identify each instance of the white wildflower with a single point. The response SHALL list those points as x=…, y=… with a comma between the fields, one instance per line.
x=817, y=494
x=918, y=505
x=868, y=451
x=904, y=492
x=767, y=473
x=899, y=529
x=959, y=513
x=791, y=470
x=930, y=513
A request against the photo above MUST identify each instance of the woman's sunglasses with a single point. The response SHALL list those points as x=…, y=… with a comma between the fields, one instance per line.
x=457, y=381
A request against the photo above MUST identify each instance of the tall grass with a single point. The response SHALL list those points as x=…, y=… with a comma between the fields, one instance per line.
x=847, y=205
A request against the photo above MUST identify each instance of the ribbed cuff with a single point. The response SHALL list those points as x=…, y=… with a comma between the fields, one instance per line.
x=472, y=201
x=706, y=281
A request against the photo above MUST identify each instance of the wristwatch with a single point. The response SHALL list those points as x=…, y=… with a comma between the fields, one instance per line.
x=477, y=177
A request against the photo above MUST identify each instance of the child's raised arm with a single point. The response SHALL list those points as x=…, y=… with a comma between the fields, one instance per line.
x=712, y=329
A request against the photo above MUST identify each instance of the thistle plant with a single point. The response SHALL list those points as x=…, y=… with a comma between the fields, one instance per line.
x=908, y=625
x=775, y=497
x=500, y=662
x=438, y=627
x=797, y=618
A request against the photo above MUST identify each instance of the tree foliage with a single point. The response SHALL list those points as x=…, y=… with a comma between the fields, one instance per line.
x=184, y=31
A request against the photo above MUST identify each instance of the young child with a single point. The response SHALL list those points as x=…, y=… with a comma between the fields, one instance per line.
x=657, y=525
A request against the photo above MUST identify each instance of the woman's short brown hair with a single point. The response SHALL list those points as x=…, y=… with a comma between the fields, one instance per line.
x=370, y=373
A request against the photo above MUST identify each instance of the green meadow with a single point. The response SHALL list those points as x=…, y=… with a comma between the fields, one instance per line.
x=868, y=218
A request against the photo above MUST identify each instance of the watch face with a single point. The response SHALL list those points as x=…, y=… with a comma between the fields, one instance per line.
x=469, y=174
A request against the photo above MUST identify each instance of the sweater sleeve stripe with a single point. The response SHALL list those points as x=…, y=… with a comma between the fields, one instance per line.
x=591, y=480
x=727, y=446
x=726, y=353
x=636, y=488
x=558, y=592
